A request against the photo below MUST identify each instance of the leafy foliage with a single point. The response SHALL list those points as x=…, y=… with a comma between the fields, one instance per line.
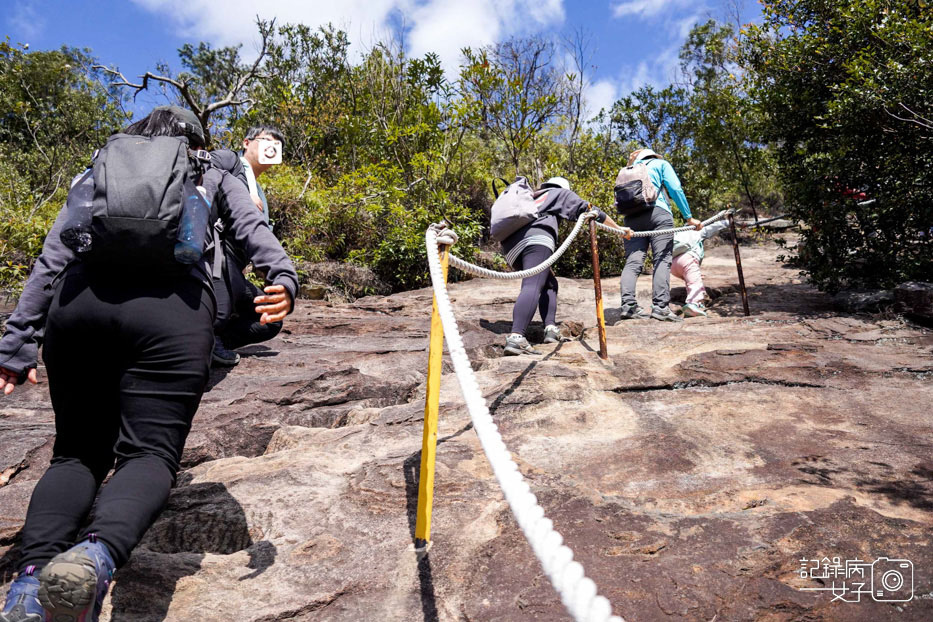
x=846, y=88
x=56, y=111
x=826, y=103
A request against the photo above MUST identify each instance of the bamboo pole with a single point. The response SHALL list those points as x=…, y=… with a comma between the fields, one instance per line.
x=598, y=288
x=431, y=409
x=738, y=265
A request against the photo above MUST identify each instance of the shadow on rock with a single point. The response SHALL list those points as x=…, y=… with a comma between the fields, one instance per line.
x=10, y=558
x=258, y=351
x=915, y=490
x=412, y=470
x=796, y=299
x=499, y=327
x=216, y=377
x=199, y=519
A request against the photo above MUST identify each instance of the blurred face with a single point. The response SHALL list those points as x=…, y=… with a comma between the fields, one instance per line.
x=263, y=150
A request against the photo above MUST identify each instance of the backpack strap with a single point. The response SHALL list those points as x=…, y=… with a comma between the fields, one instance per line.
x=201, y=161
x=495, y=190
x=217, y=269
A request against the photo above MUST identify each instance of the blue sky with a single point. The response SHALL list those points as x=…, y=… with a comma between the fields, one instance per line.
x=632, y=42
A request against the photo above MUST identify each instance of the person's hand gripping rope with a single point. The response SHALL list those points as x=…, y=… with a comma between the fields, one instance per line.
x=626, y=232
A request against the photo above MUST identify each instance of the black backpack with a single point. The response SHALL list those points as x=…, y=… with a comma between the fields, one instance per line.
x=139, y=189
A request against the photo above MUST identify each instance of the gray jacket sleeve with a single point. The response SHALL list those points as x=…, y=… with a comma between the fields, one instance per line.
x=710, y=230
x=19, y=347
x=251, y=232
x=568, y=205
x=227, y=160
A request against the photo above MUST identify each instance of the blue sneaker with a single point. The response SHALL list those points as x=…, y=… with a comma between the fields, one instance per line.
x=22, y=602
x=73, y=585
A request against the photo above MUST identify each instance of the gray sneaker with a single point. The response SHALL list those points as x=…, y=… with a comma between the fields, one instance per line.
x=632, y=312
x=665, y=315
x=552, y=334
x=516, y=344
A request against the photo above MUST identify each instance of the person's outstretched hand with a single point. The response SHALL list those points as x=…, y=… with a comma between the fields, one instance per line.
x=696, y=224
x=274, y=306
x=9, y=379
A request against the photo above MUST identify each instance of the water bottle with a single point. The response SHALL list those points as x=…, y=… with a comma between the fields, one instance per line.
x=192, y=230
x=76, y=232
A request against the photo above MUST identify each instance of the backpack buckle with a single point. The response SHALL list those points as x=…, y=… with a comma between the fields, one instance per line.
x=200, y=154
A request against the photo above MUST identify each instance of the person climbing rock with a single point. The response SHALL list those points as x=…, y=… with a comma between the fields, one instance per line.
x=532, y=245
x=237, y=325
x=688, y=255
x=655, y=216
x=126, y=329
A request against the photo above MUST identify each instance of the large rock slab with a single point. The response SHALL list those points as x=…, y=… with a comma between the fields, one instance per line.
x=690, y=474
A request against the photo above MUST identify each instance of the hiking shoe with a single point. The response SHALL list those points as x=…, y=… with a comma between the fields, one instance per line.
x=22, y=602
x=694, y=310
x=73, y=585
x=632, y=312
x=665, y=315
x=516, y=344
x=222, y=356
x=552, y=334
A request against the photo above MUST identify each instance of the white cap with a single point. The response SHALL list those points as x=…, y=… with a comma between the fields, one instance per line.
x=557, y=182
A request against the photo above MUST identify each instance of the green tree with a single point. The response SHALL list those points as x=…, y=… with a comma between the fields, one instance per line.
x=212, y=83
x=516, y=92
x=729, y=162
x=57, y=111
x=847, y=91
x=306, y=90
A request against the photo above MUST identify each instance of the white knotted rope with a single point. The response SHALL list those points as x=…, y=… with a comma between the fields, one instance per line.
x=652, y=234
x=577, y=592
x=475, y=270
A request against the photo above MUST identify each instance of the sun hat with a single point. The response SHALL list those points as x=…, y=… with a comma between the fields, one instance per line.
x=557, y=182
x=642, y=154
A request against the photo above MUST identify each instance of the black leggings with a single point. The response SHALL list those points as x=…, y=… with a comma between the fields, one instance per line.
x=538, y=292
x=127, y=365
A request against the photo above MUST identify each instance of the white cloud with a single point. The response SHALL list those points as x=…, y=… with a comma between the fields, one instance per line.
x=685, y=25
x=658, y=71
x=441, y=26
x=599, y=96
x=447, y=26
x=647, y=8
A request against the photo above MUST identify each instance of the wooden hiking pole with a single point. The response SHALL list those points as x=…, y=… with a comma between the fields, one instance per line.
x=431, y=408
x=738, y=264
x=598, y=288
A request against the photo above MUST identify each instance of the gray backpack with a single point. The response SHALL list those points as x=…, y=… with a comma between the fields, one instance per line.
x=139, y=188
x=635, y=192
x=512, y=210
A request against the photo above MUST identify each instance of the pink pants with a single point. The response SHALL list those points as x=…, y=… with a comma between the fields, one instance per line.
x=686, y=267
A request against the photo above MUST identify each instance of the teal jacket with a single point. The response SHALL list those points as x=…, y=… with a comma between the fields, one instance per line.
x=662, y=172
